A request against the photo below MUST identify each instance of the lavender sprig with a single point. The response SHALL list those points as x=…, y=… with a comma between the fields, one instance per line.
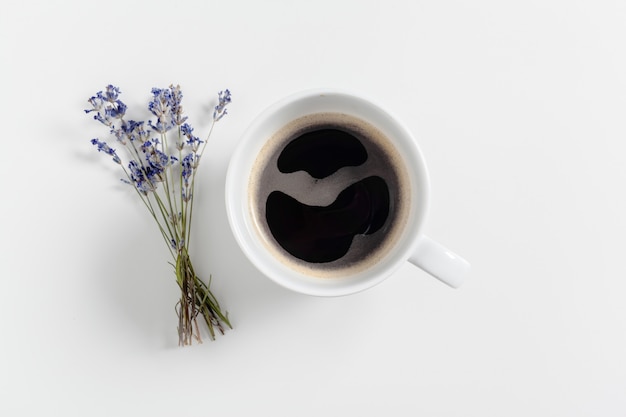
x=163, y=176
x=220, y=109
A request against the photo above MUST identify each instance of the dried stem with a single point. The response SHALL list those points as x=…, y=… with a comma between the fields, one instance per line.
x=196, y=298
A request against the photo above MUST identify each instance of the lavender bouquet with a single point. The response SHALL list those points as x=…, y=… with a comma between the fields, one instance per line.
x=162, y=158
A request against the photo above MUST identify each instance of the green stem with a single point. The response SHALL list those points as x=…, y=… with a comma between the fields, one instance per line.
x=193, y=179
x=146, y=201
x=173, y=207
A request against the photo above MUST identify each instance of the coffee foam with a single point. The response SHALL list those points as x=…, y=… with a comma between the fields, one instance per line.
x=383, y=160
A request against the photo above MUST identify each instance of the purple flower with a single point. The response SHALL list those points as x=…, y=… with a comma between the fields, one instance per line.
x=111, y=93
x=157, y=105
x=161, y=102
x=96, y=102
x=159, y=126
x=161, y=107
x=157, y=161
x=176, y=106
x=135, y=131
x=116, y=110
x=106, y=106
x=220, y=109
x=139, y=178
x=145, y=172
x=192, y=140
x=189, y=164
x=186, y=129
x=103, y=147
x=176, y=245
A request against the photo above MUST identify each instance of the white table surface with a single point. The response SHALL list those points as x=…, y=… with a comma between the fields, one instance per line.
x=520, y=110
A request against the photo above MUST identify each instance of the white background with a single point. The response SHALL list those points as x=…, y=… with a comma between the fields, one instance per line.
x=520, y=110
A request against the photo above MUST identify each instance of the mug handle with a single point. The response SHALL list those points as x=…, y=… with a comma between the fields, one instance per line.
x=440, y=262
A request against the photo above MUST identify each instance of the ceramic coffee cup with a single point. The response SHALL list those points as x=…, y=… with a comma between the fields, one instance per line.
x=327, y=194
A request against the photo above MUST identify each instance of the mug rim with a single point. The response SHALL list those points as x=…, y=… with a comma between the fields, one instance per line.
x=242, y=160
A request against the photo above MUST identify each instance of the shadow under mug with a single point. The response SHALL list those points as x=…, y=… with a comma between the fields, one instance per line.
x=411, y=245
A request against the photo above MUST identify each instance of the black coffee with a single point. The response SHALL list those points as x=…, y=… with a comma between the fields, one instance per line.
x=327, y=194
x=321, y=153
x=319, y=234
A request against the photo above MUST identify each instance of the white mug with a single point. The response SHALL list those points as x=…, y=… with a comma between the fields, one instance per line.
x=410, y=244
